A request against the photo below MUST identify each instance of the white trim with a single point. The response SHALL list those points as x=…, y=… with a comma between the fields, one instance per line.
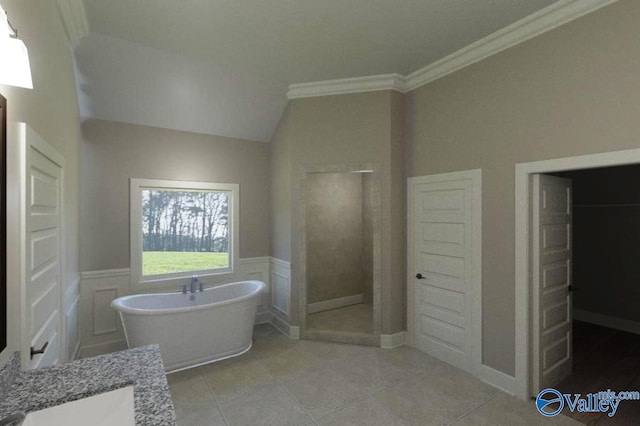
x=546, y=19
x=253, y=260
x=340, y=302
x=294, y=332
x=522, y=202
x=104, y=273
x=552, y=16
x=291, y=331
x=476, y=280
x=342, y=86
x=390, y=341
x=140, y=282
x=497, y=379
x=616, y=323
x=280, y=262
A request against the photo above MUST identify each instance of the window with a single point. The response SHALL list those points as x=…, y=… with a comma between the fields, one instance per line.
x=179, y=229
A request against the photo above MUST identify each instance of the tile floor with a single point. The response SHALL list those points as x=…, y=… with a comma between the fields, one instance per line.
x=300, y=382
x=355, y=318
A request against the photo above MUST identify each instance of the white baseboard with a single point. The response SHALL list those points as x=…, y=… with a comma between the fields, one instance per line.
x=498, y=379
x=294, y=332
x=291, y=331
x=341, y=302
x=607, y=321
x=263, y=318
x=76, y=351
x=390, y=341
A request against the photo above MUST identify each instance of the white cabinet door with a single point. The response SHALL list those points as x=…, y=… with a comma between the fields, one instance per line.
x=42, y=241
x=551, y=268
x=441, y=252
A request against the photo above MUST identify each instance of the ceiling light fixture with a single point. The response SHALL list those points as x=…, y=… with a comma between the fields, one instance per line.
x=14, y=57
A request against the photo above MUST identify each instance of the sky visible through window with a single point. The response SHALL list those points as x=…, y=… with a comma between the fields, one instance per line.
x=184, y=230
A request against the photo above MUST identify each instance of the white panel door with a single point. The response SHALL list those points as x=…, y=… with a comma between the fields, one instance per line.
x=551, y=267
x=42, y=239
x=441, y=259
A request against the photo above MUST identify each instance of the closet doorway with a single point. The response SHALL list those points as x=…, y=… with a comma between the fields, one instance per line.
x=577, y=245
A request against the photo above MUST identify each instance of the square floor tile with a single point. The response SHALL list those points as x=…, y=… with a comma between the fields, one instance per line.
x=233, y=380
x=433, y=399
x=322, y=391
x=210, y=416
x=366, y=412
x=189, y=391
x=265, y=405
x=371, y=373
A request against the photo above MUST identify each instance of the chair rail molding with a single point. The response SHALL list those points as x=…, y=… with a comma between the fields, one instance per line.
x=101, y=330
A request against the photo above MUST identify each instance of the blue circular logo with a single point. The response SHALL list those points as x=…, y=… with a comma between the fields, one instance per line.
x=546, y=400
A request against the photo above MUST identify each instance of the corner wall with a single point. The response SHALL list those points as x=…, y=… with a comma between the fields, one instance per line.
x=570, y=91
x=343, y=129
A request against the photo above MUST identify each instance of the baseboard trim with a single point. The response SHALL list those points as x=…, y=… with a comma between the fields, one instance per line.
x=340, y=302
x=497, y=379
x=291, y=331
x=607, y=321
x=76, y=351
x=390, y=341
x=263, y=318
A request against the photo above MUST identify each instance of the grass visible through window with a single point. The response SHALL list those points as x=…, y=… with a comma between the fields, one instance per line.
x=165, y=262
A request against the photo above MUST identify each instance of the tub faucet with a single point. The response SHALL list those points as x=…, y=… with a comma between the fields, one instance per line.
x=194, y=280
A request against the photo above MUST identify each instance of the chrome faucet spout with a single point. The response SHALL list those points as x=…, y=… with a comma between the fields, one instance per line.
x=194, y=281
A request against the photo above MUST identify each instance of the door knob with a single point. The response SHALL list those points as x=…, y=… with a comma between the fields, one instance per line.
x=35, y=352
x=420, y=276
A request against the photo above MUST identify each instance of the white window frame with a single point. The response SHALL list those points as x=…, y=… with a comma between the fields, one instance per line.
x=138, y=280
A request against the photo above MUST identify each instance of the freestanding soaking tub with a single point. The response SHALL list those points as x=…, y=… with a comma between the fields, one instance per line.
x=193, y=328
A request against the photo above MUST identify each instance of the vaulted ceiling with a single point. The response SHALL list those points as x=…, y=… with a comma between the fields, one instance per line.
x=222, y=66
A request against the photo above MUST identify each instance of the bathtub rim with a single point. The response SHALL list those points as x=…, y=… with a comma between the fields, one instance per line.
x=118, y=304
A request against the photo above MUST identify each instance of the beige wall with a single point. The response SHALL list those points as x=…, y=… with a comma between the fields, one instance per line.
x=112, y=153
x=571, y=91
x=334, y=213
x=280, y=169
x=358, y=128
x=51, y=109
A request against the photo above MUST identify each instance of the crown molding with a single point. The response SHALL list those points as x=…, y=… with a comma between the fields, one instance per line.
x=552, y=16
x=371, y=83
x=74, y=19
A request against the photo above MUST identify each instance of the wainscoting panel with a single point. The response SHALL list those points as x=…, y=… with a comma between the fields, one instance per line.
x=101, y=330
x=281, y=288
x=71, y=309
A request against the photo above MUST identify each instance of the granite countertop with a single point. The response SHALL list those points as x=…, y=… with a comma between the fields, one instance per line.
x=141, y=367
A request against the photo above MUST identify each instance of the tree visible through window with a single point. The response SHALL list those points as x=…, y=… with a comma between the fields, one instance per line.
x=184, y=231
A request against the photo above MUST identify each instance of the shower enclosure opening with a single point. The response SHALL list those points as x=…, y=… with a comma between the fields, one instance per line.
x=339, y=211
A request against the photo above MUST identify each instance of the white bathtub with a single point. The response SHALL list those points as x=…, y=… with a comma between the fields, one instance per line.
x=192, y=329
